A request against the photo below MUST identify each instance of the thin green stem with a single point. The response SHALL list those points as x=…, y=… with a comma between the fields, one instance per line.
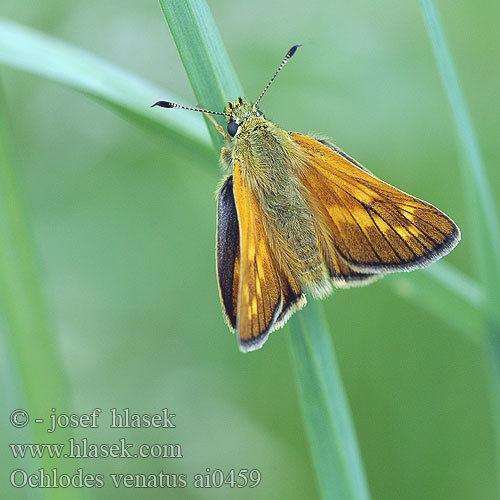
x=325, y=407
x=484, y=226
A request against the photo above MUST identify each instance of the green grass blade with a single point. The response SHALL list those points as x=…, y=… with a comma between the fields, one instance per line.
x=204, y=57
x=326, y=411
x=481, y=208
x=333, y=444
x=481, y=205
x=37, y=379
x=35, y=52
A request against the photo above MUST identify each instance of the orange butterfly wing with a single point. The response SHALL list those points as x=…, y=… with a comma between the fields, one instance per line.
x=267, y=295
x=364, y=224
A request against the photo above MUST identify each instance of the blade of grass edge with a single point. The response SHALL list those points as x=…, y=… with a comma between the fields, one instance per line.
x=334, y=447
x=484, y=222
x=29, y=50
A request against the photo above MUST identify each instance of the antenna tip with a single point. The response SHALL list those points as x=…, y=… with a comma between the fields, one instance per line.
x=292, y=51
x=163, y=104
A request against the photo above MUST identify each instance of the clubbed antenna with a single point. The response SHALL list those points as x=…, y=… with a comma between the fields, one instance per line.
x=288, y=56
x=167, y=104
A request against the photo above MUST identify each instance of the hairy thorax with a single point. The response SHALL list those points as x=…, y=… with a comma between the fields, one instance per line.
x=270, y=163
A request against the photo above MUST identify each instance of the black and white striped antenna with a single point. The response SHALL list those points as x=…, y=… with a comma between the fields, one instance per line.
x=168, y=104
x=288, y=56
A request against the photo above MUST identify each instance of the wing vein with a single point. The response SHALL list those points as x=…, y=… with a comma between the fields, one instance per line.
x=429, y=223
x=383, y=235
x=360, y=228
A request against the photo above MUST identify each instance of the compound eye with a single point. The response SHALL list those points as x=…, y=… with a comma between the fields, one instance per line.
x=232, y=128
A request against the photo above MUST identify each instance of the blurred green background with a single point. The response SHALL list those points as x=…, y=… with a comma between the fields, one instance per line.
x=124, y=228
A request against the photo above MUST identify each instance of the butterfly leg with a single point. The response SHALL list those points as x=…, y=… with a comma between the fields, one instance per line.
x=226, y=160
x=218, y=127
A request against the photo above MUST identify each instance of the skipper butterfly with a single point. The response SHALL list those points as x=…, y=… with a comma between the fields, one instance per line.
x=297, y=214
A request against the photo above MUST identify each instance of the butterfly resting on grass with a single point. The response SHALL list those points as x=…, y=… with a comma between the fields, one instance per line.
x=296, y=214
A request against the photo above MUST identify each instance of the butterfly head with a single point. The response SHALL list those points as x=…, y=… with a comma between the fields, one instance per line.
x=237, y=112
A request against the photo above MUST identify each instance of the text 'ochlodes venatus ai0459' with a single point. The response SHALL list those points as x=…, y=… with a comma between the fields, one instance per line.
x=297, y=214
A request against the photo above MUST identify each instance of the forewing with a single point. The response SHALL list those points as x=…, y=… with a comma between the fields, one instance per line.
x=268, y=294
x=260, y=299
x=368, y=224
x=228, y=252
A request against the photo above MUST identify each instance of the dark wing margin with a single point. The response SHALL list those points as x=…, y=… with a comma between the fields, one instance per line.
x=228, y=252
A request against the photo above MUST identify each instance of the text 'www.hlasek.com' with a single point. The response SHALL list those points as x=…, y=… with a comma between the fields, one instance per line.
x=63, y=464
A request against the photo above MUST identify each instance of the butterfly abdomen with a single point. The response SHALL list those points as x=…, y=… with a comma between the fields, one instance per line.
x=292, y=237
